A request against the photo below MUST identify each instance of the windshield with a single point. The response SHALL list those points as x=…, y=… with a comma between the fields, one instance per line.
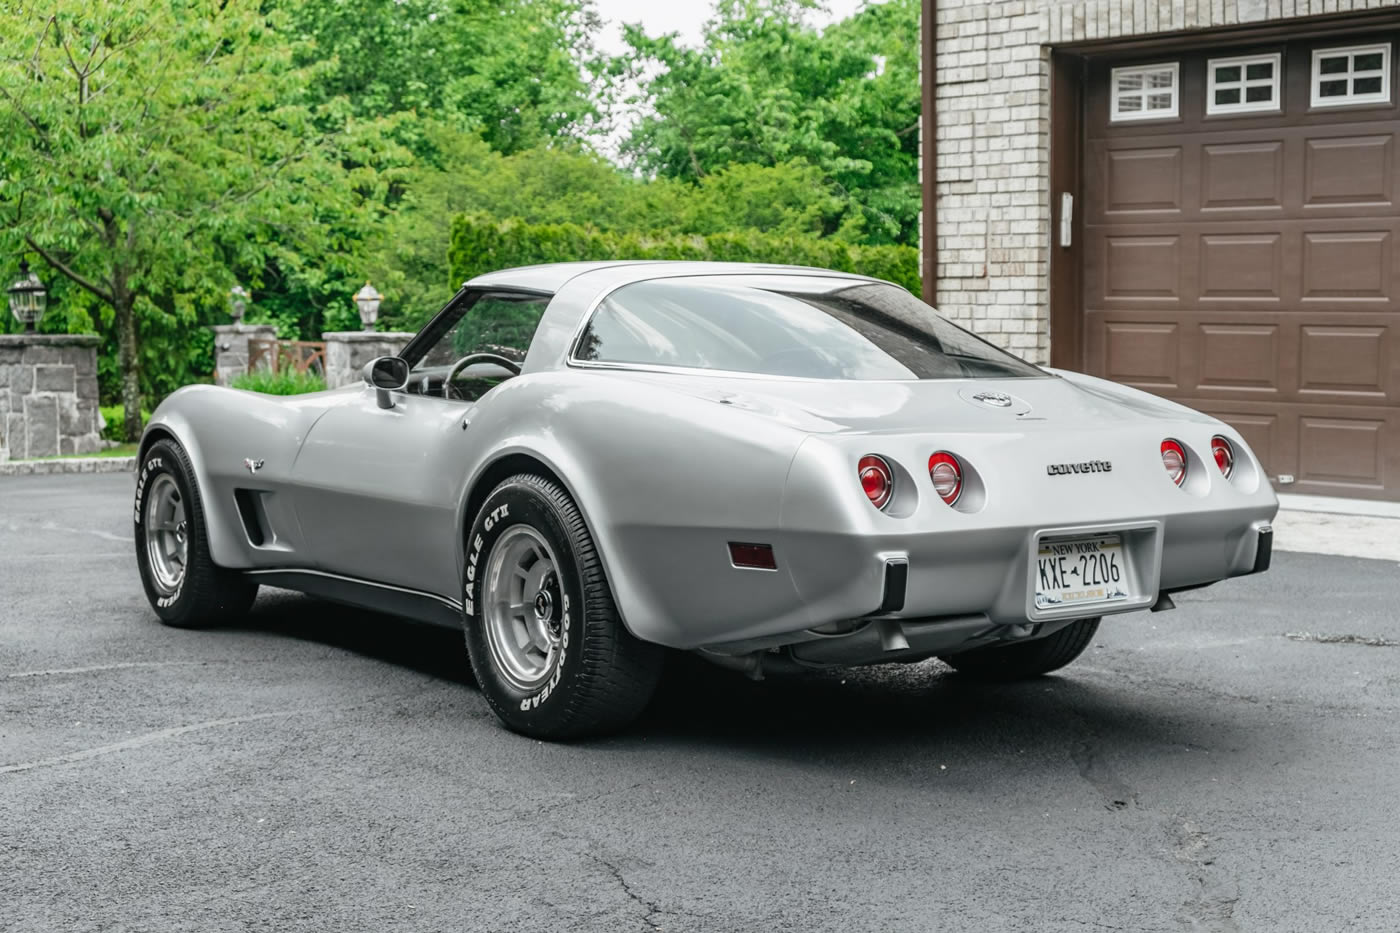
x=867, y=331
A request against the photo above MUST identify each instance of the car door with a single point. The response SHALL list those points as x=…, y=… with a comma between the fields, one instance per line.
x=377, y=489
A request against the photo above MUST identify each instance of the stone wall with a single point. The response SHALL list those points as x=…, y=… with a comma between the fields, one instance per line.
x=348, y=351
x=993, y=137
x=231, y=349
x=48, y=395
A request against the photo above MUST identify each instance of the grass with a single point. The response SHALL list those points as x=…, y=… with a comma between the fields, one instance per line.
x=281, y=382
x=121, y=450
x=113, y=417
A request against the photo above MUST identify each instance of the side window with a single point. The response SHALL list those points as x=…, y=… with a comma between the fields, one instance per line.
x=1145, y=92
x=1355, y=75
x=1244, y=85
x=503, y=324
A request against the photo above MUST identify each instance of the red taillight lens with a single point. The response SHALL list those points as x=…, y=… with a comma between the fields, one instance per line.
x=946, y=473
x=1174, y=459
x=876, y=479
x=1224, y=453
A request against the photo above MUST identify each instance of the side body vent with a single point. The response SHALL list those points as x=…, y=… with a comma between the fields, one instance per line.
x=250, y=510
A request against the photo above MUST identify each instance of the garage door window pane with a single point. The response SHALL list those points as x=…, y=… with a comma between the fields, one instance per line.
x=1357, y=75
x=1144, y=93
x=1243, y=85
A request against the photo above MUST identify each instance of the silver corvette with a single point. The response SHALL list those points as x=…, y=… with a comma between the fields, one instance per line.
x=777, y=468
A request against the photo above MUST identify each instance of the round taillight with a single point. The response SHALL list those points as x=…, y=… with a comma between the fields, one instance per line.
x=1224, y=453
x=1174, y=459
x=876, y=479
x=946, y=473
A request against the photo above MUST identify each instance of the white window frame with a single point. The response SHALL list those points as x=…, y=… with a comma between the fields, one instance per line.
x=1114, y=116
x=1351, y=51
x=1243, y=62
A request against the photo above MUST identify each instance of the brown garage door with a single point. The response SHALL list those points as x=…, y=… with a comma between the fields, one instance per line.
x=1246, y=262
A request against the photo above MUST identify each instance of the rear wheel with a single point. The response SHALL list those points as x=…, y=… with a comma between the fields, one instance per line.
x=184, y=585
x=546, y=642
x=1026, y=659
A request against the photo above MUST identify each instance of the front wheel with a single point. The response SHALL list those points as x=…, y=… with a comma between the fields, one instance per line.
x=1026, y=659
x=184, y=585
x=546, y=642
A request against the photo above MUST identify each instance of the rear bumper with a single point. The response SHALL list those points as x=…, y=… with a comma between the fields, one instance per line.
x=976, y=581
x=988, y=571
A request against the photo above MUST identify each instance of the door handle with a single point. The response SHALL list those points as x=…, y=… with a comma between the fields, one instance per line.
x=466, y=422
x=1066, y=219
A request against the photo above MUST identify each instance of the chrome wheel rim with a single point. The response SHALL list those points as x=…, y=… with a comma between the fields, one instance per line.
x=167, y=534
x=524, y=607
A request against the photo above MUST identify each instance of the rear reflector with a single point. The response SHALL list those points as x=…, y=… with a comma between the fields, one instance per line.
x=753, y=556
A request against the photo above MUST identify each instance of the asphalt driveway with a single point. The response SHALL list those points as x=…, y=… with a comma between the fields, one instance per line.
x=1232, y=765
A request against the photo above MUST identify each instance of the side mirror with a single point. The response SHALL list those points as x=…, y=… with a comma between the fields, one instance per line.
x=386, y=374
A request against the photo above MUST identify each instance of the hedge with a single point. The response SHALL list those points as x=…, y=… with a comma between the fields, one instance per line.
x=482, y=244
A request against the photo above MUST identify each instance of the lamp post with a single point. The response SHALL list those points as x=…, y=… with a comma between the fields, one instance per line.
x=237, y=303
x=368, y=301
x=28, y=298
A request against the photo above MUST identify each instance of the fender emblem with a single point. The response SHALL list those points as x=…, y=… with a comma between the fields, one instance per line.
x=253, y=465
x=999, y=399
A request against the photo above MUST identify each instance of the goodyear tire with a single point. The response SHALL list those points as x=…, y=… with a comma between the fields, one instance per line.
x=1026, y=659
x=184, y=585
x=546, y=643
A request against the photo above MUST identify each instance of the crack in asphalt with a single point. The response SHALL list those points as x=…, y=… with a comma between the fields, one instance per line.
x=1213, y=906
x=1368, y=641
x=651, y=907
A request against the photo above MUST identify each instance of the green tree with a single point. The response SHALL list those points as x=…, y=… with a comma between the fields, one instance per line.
x=154, y=147
x=767, y=89
x=516, y=72
x=566, y=184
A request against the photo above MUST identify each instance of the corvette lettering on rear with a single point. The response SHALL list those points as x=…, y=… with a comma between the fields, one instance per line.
x=1088, y=466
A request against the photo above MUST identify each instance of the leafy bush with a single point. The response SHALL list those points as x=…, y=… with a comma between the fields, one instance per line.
x=286, y=381
x=112, y=417
x=480, y=244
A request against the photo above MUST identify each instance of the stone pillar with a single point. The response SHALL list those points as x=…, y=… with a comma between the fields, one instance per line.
x=48, y=395
x=348, y=351
x=231, y=349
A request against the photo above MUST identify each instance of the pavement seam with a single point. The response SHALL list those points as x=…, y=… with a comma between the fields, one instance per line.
x=150, y=738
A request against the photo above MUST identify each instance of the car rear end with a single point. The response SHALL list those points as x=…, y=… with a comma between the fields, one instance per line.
x=1023, y=526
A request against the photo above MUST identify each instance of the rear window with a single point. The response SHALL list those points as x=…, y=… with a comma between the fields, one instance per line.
x=868, y=331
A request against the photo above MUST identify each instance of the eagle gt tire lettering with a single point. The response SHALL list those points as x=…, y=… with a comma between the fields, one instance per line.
x=183, y=584
x=547, y=646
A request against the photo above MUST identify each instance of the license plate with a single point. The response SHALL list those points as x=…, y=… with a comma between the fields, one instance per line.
x=1080, y=571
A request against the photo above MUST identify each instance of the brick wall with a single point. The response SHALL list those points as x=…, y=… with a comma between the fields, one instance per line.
x=992, y=178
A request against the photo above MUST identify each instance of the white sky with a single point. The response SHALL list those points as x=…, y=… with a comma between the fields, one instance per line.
x=684, y=16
